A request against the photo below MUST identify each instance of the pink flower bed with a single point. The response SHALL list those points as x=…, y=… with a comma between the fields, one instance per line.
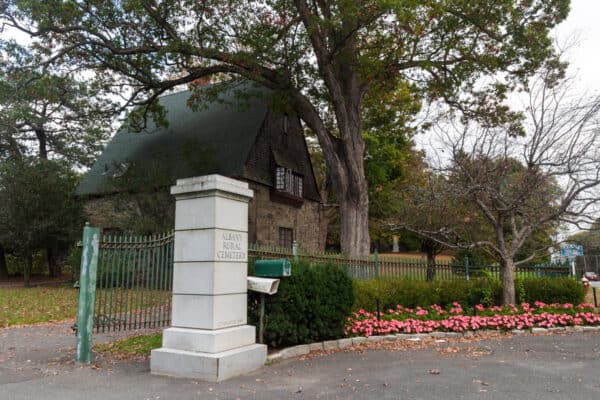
x=453, y=319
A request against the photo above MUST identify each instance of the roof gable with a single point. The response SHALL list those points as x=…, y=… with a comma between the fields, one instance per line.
x=215, y=139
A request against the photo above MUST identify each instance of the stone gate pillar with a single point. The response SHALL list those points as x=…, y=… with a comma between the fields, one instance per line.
x=208, y=338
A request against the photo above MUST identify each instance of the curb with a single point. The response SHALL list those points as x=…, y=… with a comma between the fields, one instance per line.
x=329, y=345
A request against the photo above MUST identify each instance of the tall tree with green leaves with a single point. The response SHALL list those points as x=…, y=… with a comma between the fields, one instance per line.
x=37, y=206
x=589, y=238
x=321, y=58
x=49, y=111
x=522, y=188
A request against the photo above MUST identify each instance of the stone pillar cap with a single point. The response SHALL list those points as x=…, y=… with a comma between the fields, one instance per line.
x=210, y=183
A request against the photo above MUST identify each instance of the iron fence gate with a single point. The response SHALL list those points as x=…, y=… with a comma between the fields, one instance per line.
x=125, y=283
x=134, y=281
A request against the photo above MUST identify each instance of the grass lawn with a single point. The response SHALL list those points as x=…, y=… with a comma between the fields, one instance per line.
x=132, y=347
x=39, y=304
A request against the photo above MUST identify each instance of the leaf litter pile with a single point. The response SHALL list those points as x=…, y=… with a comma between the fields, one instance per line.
x=444, y=346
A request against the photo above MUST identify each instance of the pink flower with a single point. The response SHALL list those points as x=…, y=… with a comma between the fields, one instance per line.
x=365, y=323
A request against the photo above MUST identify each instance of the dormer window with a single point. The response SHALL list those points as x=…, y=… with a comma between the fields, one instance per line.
x=287, y=181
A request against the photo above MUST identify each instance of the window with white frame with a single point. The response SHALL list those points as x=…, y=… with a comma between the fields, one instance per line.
x=288, y=181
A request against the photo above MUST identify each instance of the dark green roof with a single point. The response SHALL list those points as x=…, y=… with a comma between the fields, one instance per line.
x=215, y=139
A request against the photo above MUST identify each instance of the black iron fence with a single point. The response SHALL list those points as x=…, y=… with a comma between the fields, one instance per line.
x=134, y=281
x=391, y=266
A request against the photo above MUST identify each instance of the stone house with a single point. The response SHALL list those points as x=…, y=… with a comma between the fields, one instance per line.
x=241, y=139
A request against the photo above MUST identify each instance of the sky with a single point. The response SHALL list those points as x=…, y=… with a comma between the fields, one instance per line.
x=583, y=25
x=579, y=34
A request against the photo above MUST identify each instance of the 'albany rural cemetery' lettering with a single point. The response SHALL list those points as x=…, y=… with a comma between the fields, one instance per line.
x=231, y=247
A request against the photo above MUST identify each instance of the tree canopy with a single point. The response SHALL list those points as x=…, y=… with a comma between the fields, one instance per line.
x=322, y=58
x=48, y=111
x=516, y=191
x=38, y=206
x=589, y=239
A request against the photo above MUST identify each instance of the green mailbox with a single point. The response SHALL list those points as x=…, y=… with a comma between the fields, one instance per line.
x=273, y=268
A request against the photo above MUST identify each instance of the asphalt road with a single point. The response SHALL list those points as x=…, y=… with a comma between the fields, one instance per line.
x=36, y=363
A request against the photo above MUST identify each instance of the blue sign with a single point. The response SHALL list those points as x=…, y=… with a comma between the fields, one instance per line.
x=571, y=250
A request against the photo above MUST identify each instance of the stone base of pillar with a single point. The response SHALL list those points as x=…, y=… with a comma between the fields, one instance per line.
x=210, y=367
x=208, y=341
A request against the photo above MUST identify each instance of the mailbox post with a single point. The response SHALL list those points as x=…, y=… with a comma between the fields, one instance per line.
x=266, y=269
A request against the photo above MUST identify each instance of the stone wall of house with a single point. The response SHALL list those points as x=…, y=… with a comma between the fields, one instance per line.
x=125, y=212
x=154, y=212
x=267, y=216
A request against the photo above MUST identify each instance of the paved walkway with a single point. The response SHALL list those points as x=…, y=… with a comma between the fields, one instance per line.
x=36, y=362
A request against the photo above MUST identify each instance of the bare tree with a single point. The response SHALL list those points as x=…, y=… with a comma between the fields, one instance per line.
x=509, y=188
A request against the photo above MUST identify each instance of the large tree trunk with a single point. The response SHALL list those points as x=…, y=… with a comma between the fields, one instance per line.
x=343, y=147
x=354, y=226
x=327, y=213
x=348, y=178
x=347, y=173
x=345, y=167
x=507, y=276
x=3, y=264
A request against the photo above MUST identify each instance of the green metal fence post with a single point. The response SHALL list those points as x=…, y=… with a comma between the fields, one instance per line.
x=467, y=267
x=376, y=257
x=87, y=294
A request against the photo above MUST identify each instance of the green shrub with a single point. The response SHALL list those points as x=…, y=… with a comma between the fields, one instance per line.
x=73, y=262
x=310, y=306
x=16, y=265
x=408, y=293
x=551, y=290
x=486, y=291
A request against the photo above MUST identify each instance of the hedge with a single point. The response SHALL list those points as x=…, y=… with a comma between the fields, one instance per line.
x=310, y=306
x=408, y=293
x=550, y=290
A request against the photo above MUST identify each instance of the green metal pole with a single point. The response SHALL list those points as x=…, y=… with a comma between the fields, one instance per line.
x=376, y=256
x=261, y=323
x=87, y=294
